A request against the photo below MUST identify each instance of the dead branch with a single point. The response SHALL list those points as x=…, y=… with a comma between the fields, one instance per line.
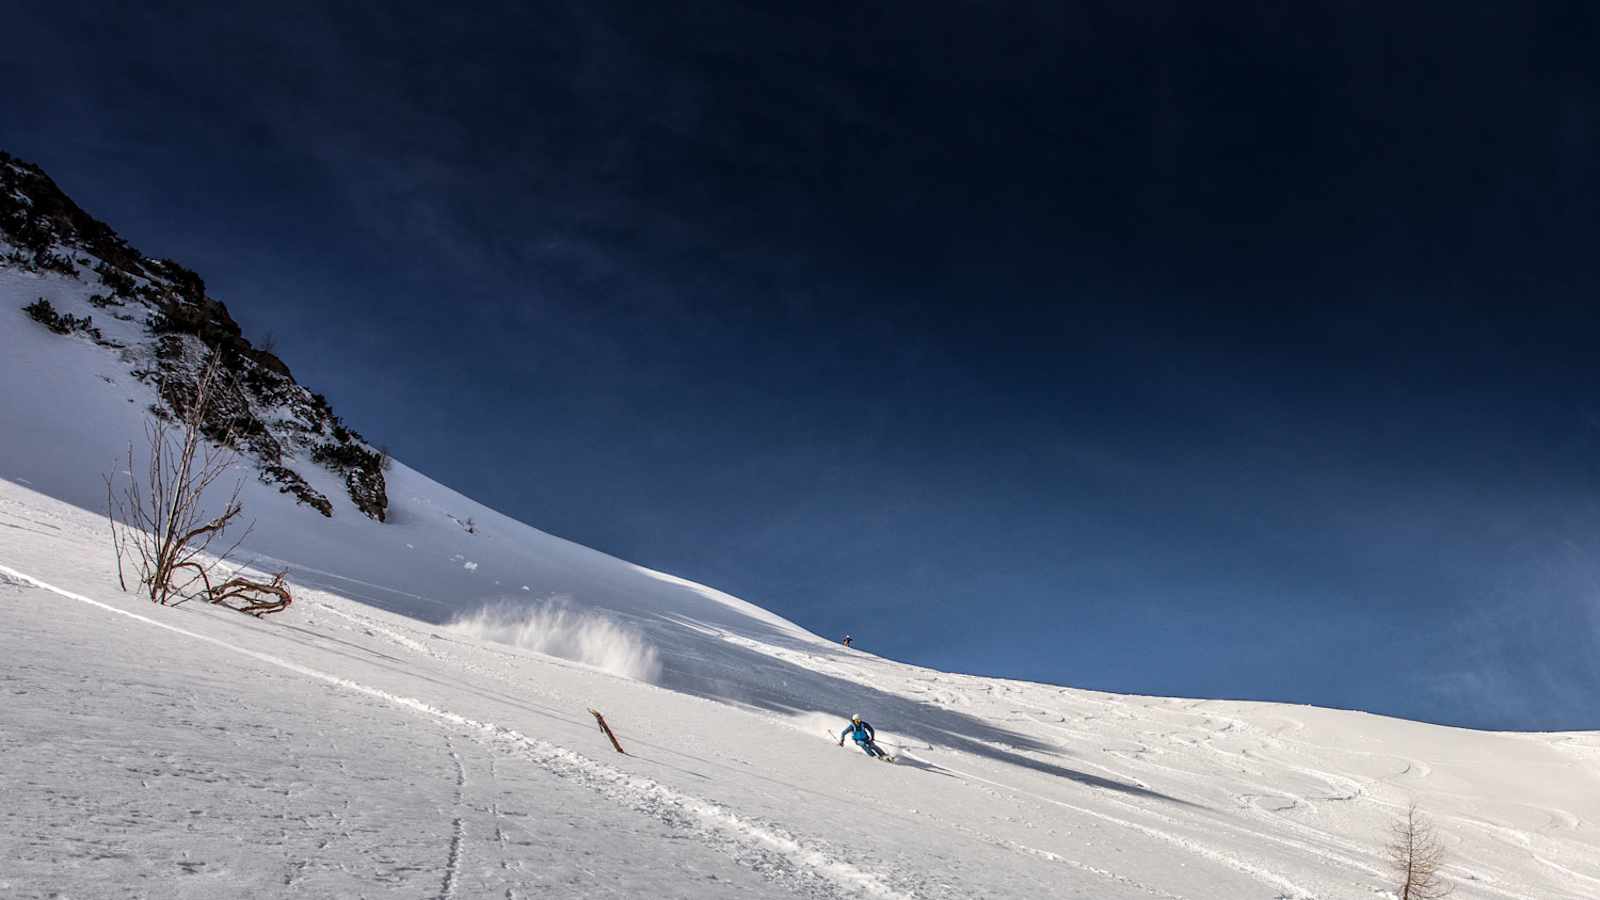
x=253, y=593
x=116, y=536
x=607, y=729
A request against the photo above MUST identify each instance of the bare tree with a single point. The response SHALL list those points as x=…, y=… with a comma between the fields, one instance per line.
x=159, y=521
x=1416, y=854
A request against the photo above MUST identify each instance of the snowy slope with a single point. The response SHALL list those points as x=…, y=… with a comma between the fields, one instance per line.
x=398, y=732
x=342, y=750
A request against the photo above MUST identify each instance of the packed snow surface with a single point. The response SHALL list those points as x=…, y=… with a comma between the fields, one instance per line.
x=417, y=725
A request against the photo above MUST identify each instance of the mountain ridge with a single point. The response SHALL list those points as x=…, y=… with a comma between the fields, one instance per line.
x=174, y=328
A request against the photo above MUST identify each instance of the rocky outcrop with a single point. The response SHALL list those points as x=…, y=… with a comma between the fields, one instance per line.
x=260, y=410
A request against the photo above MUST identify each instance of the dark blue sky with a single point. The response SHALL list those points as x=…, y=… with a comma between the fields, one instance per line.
x=1170, y=348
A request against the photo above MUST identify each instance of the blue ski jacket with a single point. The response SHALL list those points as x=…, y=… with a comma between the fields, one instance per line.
x=860, y=732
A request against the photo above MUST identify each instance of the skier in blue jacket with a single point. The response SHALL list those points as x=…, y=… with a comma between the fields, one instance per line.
x=864, y=737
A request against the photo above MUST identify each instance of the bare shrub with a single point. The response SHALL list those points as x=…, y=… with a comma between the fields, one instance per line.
x=1415, y=855
x=42, y=312
x=158, y=520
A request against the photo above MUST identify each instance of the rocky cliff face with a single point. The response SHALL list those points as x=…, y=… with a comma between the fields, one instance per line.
x=261, y=410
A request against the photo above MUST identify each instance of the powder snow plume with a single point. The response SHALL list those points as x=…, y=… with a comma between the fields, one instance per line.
x=555, y=628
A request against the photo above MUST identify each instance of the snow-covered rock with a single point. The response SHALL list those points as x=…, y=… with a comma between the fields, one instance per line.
x=157, y=316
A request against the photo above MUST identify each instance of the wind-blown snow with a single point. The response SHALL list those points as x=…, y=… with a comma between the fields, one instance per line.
x=404, y=730
x=556, y=628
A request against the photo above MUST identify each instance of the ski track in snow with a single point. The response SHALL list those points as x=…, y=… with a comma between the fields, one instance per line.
x=452, y=867
x=372, y=627
x=1057, y=858
x=1264, y=875
x=1274, y=817
x=774, y=848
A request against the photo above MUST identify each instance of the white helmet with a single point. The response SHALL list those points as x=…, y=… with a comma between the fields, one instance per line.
x=856, y=717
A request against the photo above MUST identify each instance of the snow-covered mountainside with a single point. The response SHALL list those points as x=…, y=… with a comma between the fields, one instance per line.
x=417, y=725
x=158, y=318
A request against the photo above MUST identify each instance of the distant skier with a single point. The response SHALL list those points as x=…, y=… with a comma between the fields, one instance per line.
x=864, y=737
x=847, y=640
